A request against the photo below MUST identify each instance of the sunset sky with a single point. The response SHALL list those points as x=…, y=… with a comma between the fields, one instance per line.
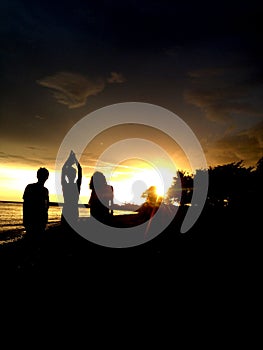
x=62, y=60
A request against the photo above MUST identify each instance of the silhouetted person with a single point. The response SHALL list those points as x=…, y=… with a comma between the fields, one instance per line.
x=71, y=189
x=101, y=198
x=35, y=205
x=138, y=187
x=152, y=198
x=152, y=203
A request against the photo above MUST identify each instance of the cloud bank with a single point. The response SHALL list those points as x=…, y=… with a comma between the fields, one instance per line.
x=225, y=92
x=73, y=89
x=246, y=145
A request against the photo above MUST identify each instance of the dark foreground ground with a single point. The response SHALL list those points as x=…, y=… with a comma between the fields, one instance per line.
x=206, y=281
x=222, y=239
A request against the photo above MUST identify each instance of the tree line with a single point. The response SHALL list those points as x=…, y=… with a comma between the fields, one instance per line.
x=230, y=185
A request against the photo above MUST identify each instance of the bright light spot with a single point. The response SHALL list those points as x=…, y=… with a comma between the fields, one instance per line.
x=154, y=179
x=13, y=182
x=129, y=186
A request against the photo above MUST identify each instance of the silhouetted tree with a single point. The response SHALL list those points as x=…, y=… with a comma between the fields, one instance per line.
x=259, y=166
x=152, y=202
x=229, y=184
x=152, y=197
x=257, y=183
x=182, y=186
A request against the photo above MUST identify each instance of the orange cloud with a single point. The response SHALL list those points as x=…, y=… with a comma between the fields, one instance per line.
x=246, y=145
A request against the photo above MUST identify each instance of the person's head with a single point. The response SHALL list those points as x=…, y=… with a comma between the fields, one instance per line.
x=98, y=180
x=138, y=187
x=42, y=175
x=71, y=174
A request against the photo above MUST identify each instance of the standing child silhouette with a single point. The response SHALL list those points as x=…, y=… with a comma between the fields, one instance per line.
x=36, y=205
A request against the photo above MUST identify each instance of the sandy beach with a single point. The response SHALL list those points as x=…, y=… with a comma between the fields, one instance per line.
x=218, y=239
x=61, y=247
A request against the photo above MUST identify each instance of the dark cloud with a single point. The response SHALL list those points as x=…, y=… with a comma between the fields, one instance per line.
x=225, y=92
x=39, y=117
x=19, y=159
x=246, y=145
x=116, y=78
x=73, y=89
x=33, y=148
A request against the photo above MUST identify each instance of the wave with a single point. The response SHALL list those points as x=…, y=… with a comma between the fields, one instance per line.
x=11, y=225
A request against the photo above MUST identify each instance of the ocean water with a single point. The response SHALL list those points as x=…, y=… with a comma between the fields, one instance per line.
x=12, y=216
x=11, y=219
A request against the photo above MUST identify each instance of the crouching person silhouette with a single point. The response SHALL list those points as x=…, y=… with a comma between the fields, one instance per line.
x=101, y=198
x=36, y=205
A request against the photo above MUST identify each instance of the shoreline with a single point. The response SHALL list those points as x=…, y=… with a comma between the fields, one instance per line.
x=219, y=237
x=60, y=245
x=17, y=233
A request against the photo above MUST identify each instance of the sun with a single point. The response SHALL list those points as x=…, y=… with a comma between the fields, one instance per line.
x=159, y=191
x=153, y=178
x=131, y=179
x=130, y=189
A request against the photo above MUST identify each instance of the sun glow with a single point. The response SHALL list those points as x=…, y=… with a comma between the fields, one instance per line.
x=155, y=179
x=130, y=180
x=13, y=182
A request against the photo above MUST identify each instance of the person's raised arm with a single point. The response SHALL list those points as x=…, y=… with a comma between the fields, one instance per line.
x=110, y=198
x=79, y=179
x=66, y=165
